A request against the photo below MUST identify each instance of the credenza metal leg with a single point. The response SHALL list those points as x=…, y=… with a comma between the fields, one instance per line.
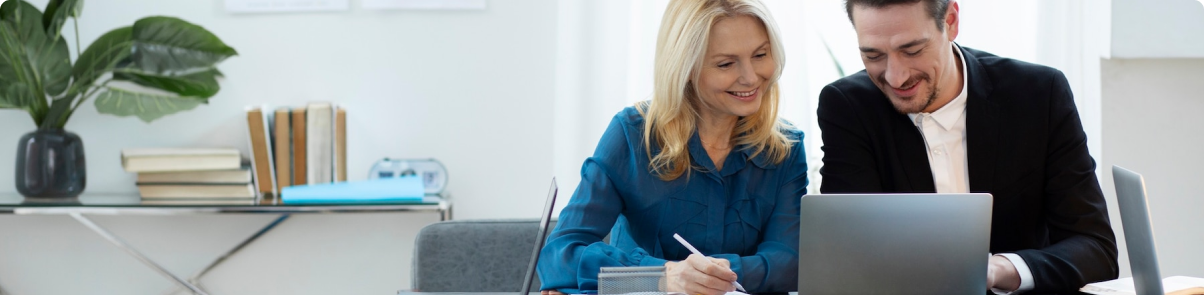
x=134, y=252
x=445, y=211
x=196, y=278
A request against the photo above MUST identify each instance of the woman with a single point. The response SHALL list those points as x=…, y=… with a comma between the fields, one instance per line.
x=706, y=158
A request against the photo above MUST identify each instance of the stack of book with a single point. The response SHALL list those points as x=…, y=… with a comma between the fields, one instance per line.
x=297, y=146
x=189, y=174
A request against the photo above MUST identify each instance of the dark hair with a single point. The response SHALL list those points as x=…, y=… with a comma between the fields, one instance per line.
x=936, y=8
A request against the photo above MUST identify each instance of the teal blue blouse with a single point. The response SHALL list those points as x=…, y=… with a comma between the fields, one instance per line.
x=746, y=213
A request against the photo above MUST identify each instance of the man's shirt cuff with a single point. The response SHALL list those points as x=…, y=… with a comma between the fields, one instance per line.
x=1026, y=275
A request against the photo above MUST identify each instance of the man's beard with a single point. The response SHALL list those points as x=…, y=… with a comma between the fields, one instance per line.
x=909, y=106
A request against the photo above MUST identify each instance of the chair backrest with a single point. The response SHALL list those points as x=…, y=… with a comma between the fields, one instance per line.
x=474, y=255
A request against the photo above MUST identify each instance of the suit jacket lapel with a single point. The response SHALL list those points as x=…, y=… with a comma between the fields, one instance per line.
x=912, y=154
x=982, y=126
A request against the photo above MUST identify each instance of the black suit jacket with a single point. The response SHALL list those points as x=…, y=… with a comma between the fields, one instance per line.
x=1024, y=145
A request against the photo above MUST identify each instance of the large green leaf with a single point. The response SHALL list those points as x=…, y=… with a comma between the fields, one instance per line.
x=16, y=74
x=48, y=58
x=199, y=84
x=14, y=67
x=7, y=7
x=15, y=95
x=54, y=61
x=170, y=46
x=148, y=107
x=57, y=12
x=101, y=57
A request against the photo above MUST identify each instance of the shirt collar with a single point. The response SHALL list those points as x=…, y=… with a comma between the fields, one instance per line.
x=761, y=160
x=947, y=115
x=734, y=162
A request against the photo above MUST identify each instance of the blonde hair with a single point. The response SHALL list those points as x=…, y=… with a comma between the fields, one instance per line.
x=671, y=117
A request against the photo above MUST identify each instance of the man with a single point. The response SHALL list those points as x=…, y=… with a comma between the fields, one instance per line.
x=930, y=116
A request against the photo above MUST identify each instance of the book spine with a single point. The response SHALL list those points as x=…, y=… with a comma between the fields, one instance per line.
x=300, y=169
x=340, y=140
x=281, y=142
x=193, y=191
x=320, y=145
x=267, y=139
x=261, y=159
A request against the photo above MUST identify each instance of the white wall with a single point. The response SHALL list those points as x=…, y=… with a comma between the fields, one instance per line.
x=596, y=40
x=1152, y=125
x=1157, y=28
x=471, y=88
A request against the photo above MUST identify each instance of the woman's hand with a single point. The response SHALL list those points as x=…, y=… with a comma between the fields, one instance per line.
x=699, y=275
x=550, y=292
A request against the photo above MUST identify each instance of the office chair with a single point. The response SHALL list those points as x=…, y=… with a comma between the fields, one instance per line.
x=474, y=255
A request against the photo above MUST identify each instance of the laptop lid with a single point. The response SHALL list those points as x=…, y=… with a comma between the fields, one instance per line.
x=540, y=238
x=894, y=243
x=1139, y=233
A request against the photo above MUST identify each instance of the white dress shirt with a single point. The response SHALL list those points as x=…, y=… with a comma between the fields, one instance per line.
x=945, y=140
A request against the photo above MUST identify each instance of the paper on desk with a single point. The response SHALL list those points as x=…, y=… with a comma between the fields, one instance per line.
x=1177, y=285
x=397, y=189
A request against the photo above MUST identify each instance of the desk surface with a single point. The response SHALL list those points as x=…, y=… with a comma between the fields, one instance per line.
x=132, y=204
x=537, y=293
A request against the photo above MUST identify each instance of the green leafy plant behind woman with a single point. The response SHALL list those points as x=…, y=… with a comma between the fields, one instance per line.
x=161, y=65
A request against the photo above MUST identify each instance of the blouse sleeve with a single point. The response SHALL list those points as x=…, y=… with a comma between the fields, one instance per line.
x=574, y=252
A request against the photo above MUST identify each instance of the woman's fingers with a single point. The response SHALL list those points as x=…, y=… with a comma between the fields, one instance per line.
x=700, y=283
x=718, y=269
x=710, y=275
x=699, y=275
x=550, y=292
x=721, y=262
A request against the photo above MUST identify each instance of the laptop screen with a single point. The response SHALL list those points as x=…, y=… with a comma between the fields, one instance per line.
x=539, y=238
x=1139, y=235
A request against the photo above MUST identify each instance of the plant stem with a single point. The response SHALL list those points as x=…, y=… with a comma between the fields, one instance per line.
x=78, y=48
x=67, y=114
x=88, y=94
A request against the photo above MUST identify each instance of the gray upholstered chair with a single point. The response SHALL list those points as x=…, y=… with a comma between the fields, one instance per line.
x=474, y=255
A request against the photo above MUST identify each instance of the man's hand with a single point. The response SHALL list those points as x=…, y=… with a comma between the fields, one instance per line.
x=699, y=275
x=1002, y=274
x=550, y=292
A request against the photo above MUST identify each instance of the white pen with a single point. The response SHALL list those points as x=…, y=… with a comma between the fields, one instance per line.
x=695, y=251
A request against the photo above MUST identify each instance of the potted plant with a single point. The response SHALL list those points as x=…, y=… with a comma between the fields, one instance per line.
x=156, y=67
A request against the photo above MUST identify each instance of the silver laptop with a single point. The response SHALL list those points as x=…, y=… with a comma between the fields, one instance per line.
x=1139, y=235
x=894, y=244
x=540, y=238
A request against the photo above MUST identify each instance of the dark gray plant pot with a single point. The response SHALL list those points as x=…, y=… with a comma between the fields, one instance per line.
x=50, y=164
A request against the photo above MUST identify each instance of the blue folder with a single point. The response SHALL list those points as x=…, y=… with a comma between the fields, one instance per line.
x=381, y=190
